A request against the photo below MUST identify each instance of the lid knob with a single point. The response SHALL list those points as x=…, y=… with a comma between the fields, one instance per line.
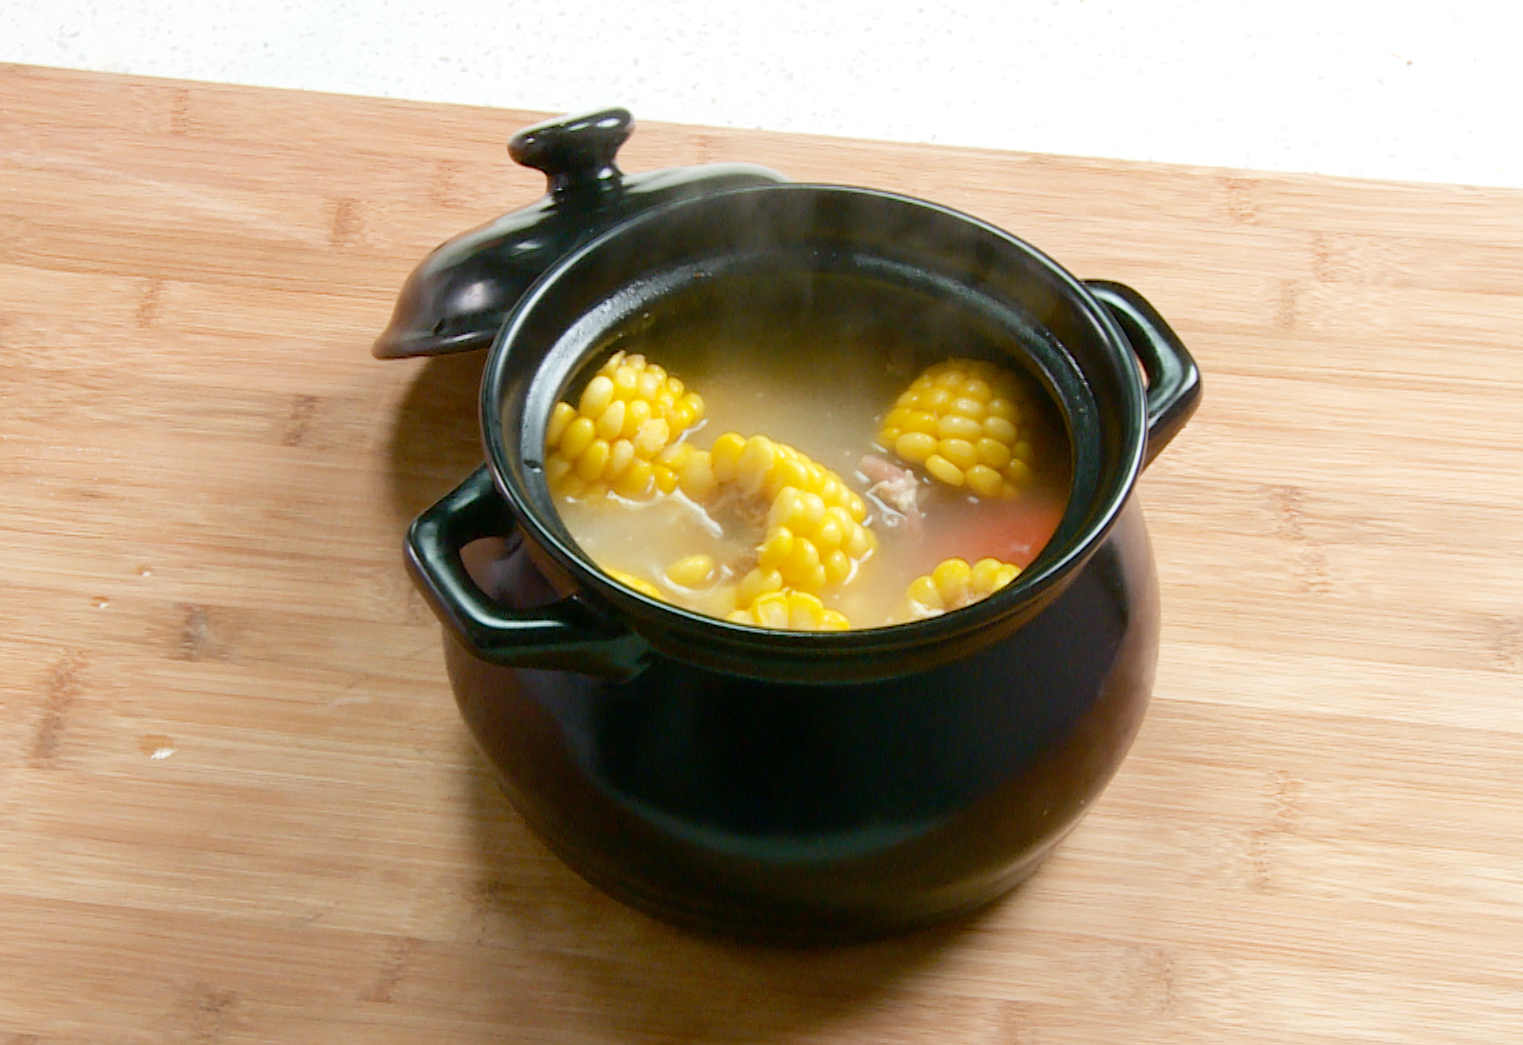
x=575, y=152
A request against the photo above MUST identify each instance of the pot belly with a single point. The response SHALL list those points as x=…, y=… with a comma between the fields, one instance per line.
x=830, y=812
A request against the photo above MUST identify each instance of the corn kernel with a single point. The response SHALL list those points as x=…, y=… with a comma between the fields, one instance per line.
x=636, y=414
x=775, y=548
x=801, y=561
x=639, y=584
x=626, y=382
x=952, y=426
x=649, y=383
x=830, y=533
x=696, y=477
x=788, y=471
x=968, y=407
x=560, y=417
x=805, y=612
x=859, y=543
x=920, y=421
x=726, y=453
x=611, y=422
x=652, y=437
x=757, y=583
x=857, y=507
x=771, y=610
x=837, y=567
x=1003, y=408
x=944, y=470
x=953, y=577
x=687, y=411
x=960, y=452
x=985, y=481
x=1001, y=429
x=673, y=456
x=990, y=575
x=578, y=436
x=993, y=453
x=691, y=572
x=923, y=591
x=596, y=397
x=785, y=508
x=914, y=447
x=635, y=483
x=814, y=507
x=590, y=464
x=755, y=460
x=620, y=453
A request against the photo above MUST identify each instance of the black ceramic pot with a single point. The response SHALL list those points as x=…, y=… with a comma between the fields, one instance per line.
x=799, y=785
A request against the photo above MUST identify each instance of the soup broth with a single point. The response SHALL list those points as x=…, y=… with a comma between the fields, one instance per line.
x=826, y=366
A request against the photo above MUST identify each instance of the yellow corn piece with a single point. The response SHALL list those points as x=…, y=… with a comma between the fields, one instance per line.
x=629, y=413
x=639, y=584
x=694, y=571
x=791, y=610
x=967, y=422
x=814, y=531
x=762, y=468
x=954, y=584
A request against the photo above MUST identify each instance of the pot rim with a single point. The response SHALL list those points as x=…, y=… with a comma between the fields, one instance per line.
x=666, y=625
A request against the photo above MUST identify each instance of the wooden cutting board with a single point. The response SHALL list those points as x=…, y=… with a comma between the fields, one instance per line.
x=236, y=801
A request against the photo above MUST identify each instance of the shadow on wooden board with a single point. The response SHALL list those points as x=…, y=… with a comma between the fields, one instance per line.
x=646, y=980
x=436, y=438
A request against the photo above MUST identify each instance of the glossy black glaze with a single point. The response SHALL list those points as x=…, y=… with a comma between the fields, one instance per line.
x=805, y=812
x=731, y=246
x=795, y=785
x=458, y=297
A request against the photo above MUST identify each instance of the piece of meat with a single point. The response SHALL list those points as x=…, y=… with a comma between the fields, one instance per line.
x=896, y=488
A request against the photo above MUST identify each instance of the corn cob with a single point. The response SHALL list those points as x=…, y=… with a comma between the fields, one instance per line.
x=629, y=413
x=759, y=467
x=954, y=584
x=795, y=610
x=967, y=422
x=814, y=534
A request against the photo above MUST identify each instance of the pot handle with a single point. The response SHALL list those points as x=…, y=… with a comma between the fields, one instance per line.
x=1173, y=378
x=567, y=635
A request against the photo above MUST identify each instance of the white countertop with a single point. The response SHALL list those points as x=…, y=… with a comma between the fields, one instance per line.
x=1426, y=92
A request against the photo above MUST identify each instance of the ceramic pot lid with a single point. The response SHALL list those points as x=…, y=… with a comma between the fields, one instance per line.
x=458, y=296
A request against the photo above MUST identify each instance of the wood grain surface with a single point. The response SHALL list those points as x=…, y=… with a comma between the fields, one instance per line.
x=237, y=803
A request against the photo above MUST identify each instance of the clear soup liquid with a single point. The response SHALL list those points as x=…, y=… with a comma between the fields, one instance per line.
x=817, y=364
